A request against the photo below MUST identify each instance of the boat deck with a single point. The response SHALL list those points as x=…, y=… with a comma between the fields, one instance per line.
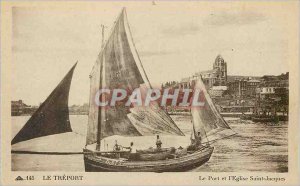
x=95, y=163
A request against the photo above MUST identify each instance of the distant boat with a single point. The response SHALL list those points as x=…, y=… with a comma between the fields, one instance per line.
x=266, y=118
x=52, y=117
x=118, y=66
x=246, y=117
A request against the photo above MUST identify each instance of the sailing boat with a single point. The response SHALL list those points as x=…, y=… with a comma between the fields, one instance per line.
x=52, y=117
x=119, y=66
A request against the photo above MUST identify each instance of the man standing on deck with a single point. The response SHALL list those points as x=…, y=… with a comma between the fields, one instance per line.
x=158, y=142
x=198, y=139
x=195, y=142
x=117, y=147
x=132, y=152
x=132, y=148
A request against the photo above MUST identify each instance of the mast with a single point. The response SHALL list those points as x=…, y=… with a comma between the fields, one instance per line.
x=99, y=115
x=117, y=66
x=102, y=28
x=206, y=136
x=100, y=109
x=194, y=131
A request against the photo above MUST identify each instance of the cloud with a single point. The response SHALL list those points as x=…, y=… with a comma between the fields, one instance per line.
x=155, y=53
x=183, y=29
x=233, y=18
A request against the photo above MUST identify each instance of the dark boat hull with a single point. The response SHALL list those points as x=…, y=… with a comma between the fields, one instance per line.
x=96, y=163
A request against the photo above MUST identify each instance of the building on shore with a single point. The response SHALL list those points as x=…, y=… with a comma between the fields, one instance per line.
x=243, y=86
x=19, y=107
x=211, y=78
x=217, y=91
x=186, y=83
x=221, y=67
x=237, y=88
x=251, y=87
x=272, y=94
x=217, y=76
x=220, y=84
x=79, y=109
x=271, y=87
x=240, y=93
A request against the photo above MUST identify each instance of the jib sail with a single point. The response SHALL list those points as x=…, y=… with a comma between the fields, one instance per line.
x=52, y=117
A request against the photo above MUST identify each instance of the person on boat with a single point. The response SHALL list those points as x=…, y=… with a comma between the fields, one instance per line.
x=117, y=147
x=198, y=139
x=195, y=142
x=158, y=143
x=131, y=148
x=133, y=155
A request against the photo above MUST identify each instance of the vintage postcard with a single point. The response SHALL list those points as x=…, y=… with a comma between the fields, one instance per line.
x=149, y=92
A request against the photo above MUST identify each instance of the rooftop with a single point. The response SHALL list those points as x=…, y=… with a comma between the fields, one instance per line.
x=219, y=88
x=207, y=71
x=253, y=81
x=231, y=78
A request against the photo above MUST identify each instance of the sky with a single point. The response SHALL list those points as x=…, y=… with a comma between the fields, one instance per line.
x=174, y=40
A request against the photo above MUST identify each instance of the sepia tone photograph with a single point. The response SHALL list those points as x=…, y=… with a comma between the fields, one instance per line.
x=155, y=86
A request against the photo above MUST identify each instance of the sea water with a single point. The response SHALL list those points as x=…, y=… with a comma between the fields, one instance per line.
x=256, y=147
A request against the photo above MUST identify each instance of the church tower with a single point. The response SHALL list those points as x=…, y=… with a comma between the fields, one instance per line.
x=220, y=66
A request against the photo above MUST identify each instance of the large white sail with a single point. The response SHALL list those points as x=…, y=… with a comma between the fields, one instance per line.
x=207, y=120
x=123, y=70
